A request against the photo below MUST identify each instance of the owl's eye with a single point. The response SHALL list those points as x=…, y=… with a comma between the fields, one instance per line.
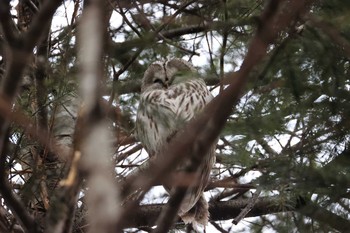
x=157, y=80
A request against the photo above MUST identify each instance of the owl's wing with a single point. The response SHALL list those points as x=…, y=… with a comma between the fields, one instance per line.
x=192, y=98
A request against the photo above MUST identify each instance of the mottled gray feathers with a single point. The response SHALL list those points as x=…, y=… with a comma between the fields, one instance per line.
x=172, y=94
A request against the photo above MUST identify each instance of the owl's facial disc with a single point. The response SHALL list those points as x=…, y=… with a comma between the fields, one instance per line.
x=162, y=74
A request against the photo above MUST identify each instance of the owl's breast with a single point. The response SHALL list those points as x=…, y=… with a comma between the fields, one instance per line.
x=154, y=125
x=162, y=113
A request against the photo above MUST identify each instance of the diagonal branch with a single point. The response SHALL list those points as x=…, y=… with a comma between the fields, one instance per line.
x=248, y=207
x=169, y=213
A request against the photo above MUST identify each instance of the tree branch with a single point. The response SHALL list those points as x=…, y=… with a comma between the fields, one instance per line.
x=146, y=215
x=169, y=211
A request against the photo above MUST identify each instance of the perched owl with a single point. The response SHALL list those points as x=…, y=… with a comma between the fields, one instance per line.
x=25, y=12
x=172, y=94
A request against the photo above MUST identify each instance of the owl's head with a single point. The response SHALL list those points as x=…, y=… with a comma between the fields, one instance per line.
x=162, y=74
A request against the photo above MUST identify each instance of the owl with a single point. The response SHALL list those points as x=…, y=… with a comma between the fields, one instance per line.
x=26, y=10
x=171, y=95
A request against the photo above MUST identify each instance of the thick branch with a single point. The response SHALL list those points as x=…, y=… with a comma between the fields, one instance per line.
x=146, y=215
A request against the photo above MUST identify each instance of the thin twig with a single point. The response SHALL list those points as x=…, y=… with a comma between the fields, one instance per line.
x=248, y=207
x=218, y=227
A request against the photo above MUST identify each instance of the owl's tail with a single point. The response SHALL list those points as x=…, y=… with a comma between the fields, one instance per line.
x=198, y=214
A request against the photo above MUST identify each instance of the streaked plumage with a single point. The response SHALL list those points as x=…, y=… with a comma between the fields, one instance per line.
x=171, y=95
